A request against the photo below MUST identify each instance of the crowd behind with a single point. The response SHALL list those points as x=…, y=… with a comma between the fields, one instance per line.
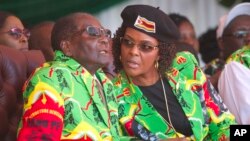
x=153, y=79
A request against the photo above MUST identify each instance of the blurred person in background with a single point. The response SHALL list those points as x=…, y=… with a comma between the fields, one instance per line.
x=211, y=54
x=209, y=48
x=234, y=80
x=40, y=39
x=234, y=31
x=187, y=32
x=12, y=32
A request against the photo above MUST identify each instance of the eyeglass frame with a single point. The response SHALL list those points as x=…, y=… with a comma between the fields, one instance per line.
x=24, y=32
x=139, y=46
x=234, y=34
x=101, y=30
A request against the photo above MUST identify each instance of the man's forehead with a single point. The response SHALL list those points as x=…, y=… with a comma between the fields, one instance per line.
x=85, y=21
x=242, y=20
x=240, y=17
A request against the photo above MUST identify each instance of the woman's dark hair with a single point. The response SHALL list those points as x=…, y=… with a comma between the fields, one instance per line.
x=167, y=52
x=178, y=19
x=182, y=46
x=3, y=16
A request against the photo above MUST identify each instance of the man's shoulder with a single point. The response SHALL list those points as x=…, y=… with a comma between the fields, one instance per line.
x=241, y=56
x=50, y=70
x=48, y=66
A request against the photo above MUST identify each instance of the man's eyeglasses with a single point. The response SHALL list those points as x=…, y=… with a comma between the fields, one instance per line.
x=17, y=33
x=97, y=32
x=240, y=34
x=144, y=47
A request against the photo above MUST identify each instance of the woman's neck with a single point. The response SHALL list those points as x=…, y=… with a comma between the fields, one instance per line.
x=146, y=79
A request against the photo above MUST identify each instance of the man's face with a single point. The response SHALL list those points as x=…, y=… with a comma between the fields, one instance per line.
x=90, y=50
x=232, y=38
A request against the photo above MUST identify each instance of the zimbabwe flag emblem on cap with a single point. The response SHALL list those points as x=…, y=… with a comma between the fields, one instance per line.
x=144, y=24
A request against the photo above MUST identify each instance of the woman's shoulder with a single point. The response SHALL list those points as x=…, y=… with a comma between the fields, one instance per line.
x=186, y=66
x=125, y=89
x=184, y=59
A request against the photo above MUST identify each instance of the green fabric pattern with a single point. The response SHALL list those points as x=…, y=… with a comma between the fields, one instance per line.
x=241, y=56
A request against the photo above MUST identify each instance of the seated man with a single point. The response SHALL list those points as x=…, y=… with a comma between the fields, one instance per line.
x=71, y=98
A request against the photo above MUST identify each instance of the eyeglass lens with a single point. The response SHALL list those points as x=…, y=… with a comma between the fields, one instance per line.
x=17, y=33
x=241, y=34
x=144, y=47
x=97, y=32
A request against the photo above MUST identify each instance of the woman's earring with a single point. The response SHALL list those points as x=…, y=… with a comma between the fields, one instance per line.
x=156, y=64
x=120, y=58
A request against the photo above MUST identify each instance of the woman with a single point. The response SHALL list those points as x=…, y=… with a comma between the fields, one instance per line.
x=161, y=94
x=187, y=33
x=12, y=32
x=186, y=29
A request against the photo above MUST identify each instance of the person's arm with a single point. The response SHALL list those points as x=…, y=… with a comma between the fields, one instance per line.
x=43, y=110
x=220, y=118
x=42, y=121
x=216, y=114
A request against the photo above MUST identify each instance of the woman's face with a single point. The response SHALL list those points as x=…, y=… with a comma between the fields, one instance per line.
x=188, y=35
x=13, y=35
x=139, y=52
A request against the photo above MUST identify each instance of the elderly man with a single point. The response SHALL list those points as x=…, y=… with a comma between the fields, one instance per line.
x=71, y=98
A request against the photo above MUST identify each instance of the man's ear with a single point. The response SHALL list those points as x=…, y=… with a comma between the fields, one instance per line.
x=66, y=48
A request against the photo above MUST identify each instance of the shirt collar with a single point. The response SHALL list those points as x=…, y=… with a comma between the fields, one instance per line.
x=68, y=61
